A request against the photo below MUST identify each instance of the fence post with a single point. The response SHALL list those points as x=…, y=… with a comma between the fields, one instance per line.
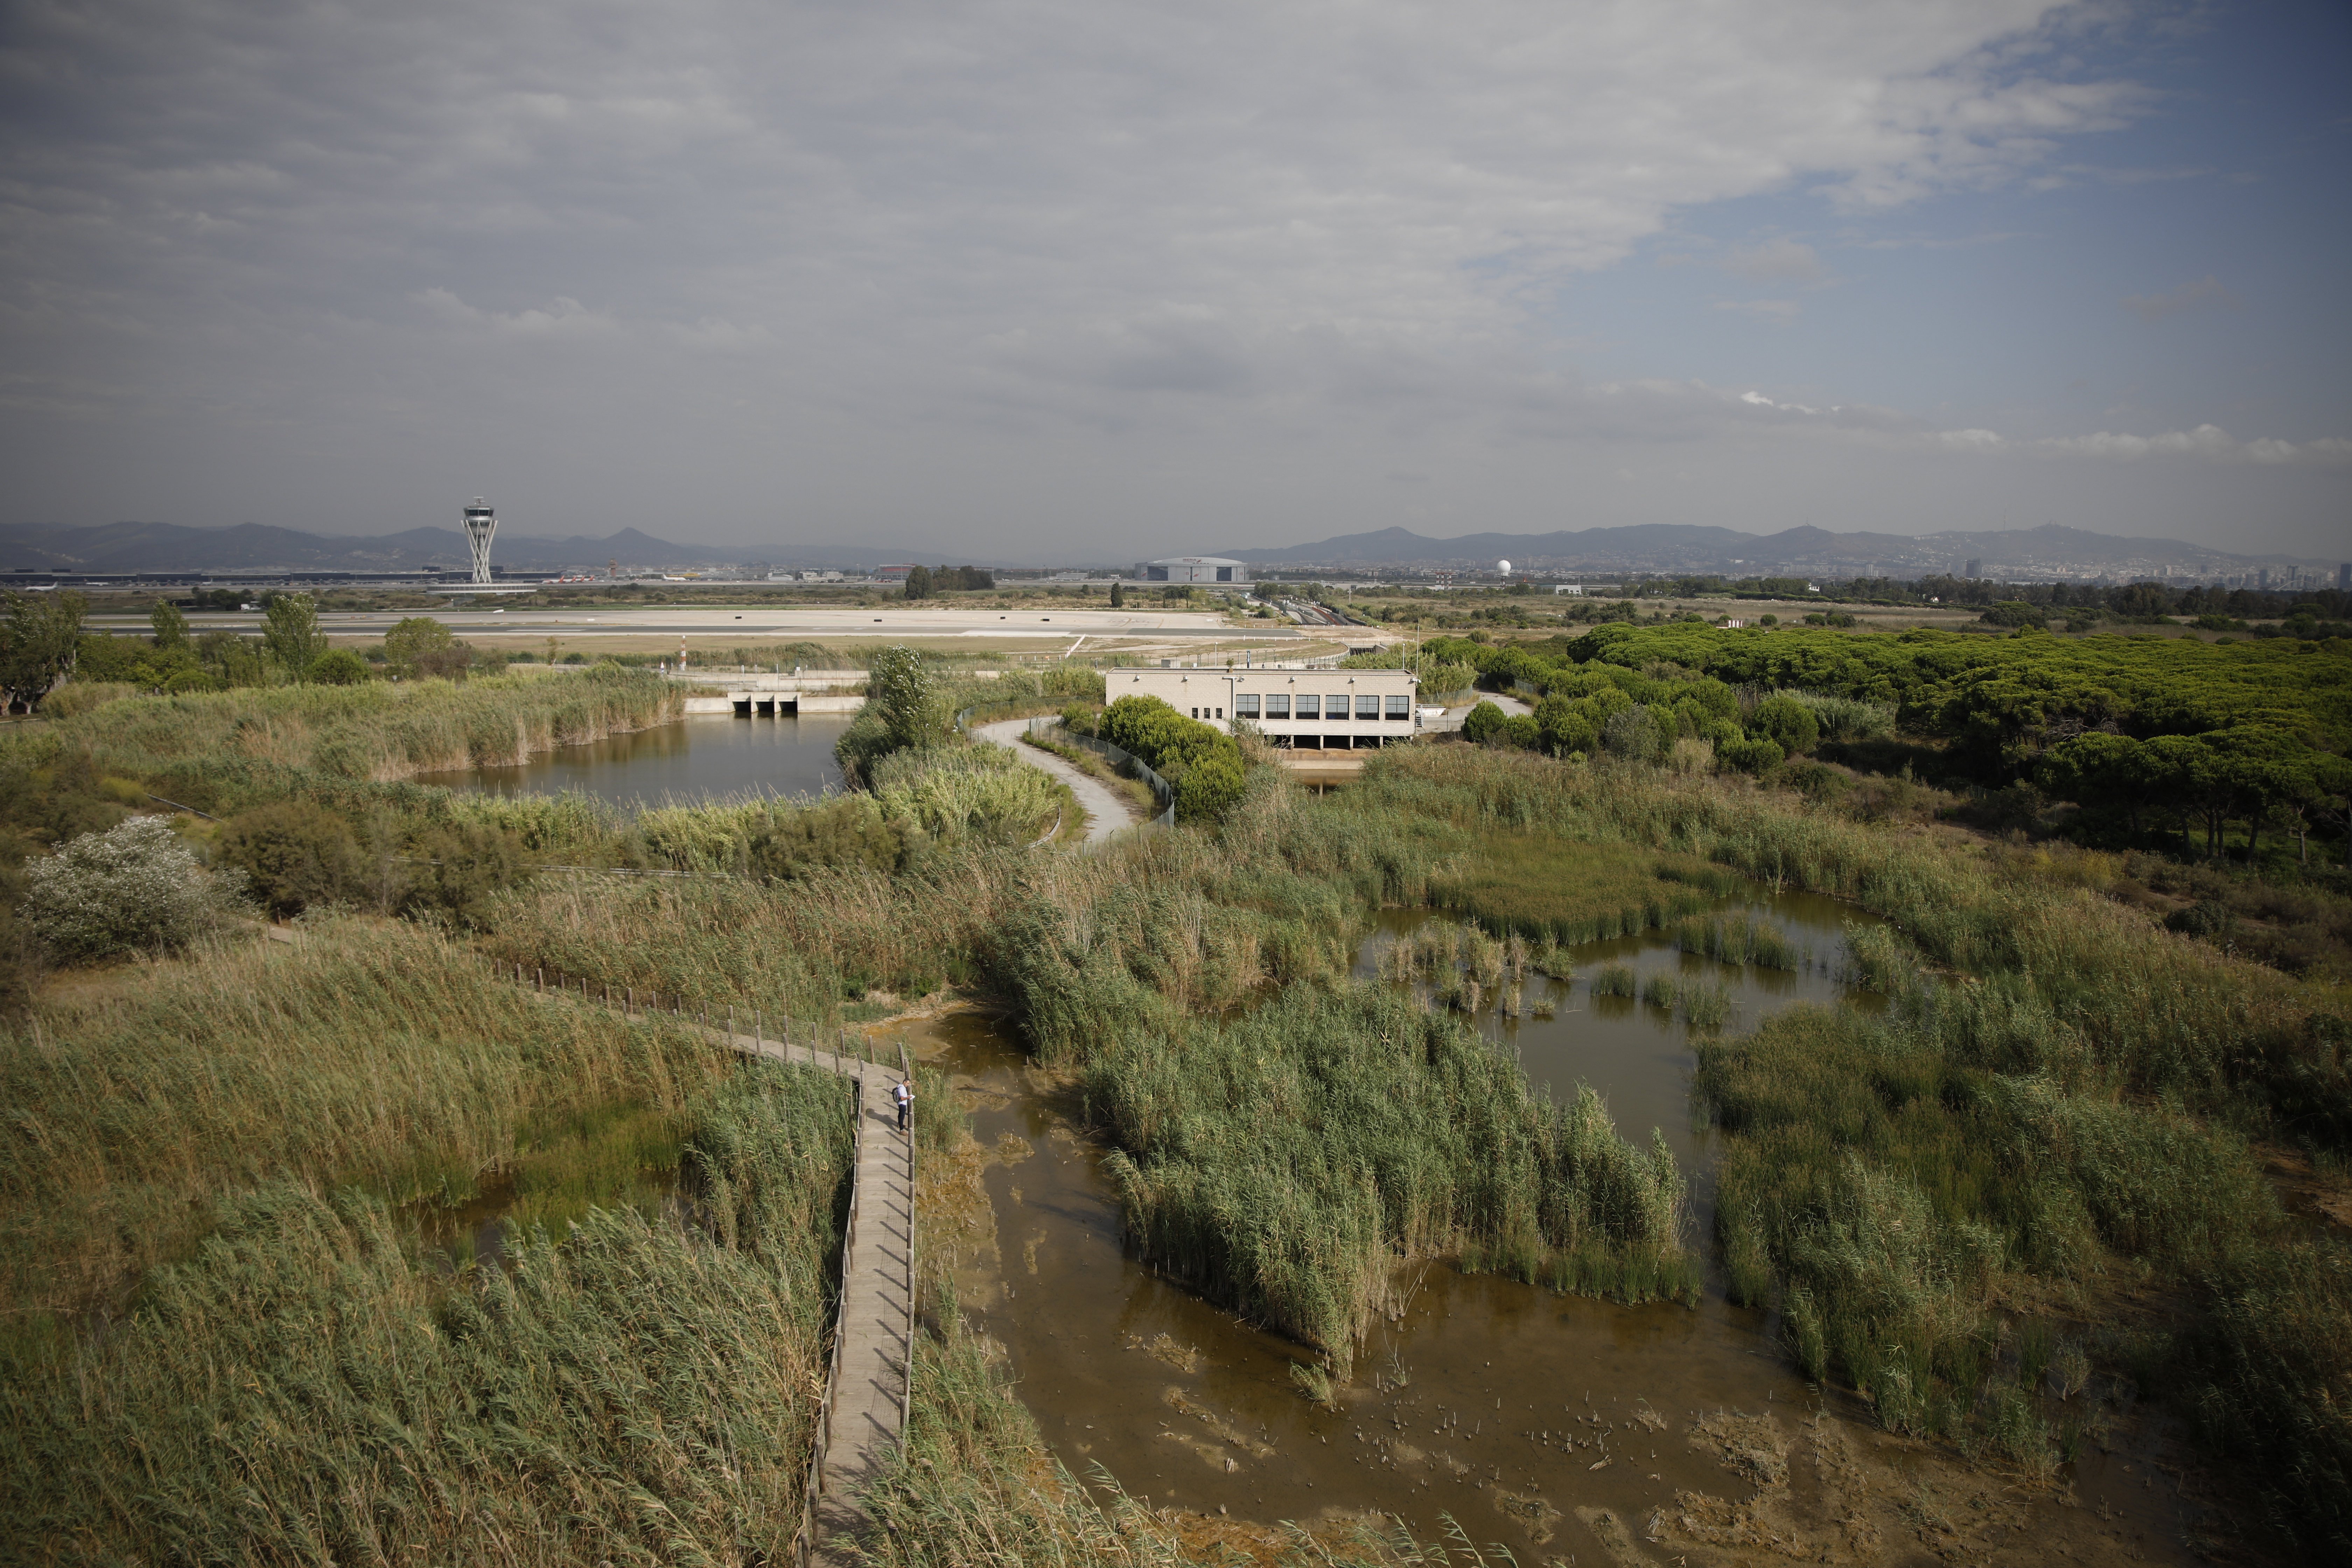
x=540, y=976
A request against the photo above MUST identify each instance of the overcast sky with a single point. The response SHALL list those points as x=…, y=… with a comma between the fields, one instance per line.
x=1089, y=280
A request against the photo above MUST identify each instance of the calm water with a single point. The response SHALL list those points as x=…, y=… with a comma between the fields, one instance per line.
x=702, y=756
x=1500, y=1404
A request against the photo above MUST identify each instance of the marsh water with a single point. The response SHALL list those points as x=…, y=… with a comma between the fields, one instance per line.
x=1504, y=1406
x=700, y=757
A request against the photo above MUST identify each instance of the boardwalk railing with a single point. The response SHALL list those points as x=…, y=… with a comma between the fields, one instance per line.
x=865, y=1251
x=1121, y=758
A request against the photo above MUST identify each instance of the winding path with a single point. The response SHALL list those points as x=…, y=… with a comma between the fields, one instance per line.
x=1106, y=813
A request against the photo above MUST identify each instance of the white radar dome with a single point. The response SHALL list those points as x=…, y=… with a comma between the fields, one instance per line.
x=1504, y=567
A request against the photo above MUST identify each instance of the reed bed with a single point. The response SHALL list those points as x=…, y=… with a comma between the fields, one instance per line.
x=1088, y=946
x=1888, y=1183
x=302, y=1389
x=1286, y=1160
x=1613, y=980
x=2168, y=1016
x=1706, y=1006
x=221, y=750
x=1459, y=966
x=373, y=1053
x=1737, y=939
x=1534, y=885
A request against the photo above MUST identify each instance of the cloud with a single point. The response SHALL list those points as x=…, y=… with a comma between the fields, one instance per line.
x=2206, y=290
x=1780, y=260
x=1780, y=310
x=2207, y=441
x=918, y=261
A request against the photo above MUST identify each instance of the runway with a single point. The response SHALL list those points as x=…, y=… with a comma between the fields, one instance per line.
x=776, y=624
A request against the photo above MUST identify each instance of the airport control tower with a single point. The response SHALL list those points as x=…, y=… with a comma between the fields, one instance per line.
x=481, y=522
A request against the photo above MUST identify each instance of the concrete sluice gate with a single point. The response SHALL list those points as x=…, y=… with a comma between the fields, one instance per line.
x=766, y=704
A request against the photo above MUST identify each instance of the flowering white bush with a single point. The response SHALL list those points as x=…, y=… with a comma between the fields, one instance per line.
x=136, y=886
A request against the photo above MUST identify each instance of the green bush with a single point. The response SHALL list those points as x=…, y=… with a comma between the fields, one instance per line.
x=1176, y=747
x=339, y=667
x=296, y=854
x=1787, y=723
x=1483, y=723
x=1749, y=756
x=847, y=831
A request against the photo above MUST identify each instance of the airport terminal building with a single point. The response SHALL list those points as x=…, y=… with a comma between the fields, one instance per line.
x=1324, y=710
x=1192, y=569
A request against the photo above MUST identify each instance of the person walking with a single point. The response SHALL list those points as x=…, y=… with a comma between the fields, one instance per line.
x=905, y=1095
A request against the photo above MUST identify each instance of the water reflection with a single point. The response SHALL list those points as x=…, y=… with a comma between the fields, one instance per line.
x=696, y=758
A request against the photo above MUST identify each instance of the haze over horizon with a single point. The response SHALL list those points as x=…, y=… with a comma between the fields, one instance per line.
x=1054, y=281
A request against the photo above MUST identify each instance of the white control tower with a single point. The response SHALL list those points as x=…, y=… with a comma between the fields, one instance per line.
x=481, y=523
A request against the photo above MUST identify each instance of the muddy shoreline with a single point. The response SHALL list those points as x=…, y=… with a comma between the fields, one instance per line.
x=1568, y=1429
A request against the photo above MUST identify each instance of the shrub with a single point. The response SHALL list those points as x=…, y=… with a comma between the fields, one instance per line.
x=1787, y=721
x=1749, y=756
x=136, y=886
x=1176, y=747
x=1636, y=734
x=407, y=646
x=296, y=854
x=462, y=865
x=848, y=831
x=339, y=667
x=1482, y=723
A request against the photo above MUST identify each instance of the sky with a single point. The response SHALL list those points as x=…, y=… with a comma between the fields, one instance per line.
x=1036, y=278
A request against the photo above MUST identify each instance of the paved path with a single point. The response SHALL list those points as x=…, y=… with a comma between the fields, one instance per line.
x=1106, y=813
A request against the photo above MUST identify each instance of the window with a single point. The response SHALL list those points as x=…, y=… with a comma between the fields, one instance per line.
x=1220, y=712
x=1277, y=704
x=1196, y=712
x=1400, y=707
x=1309, y=706
x=1367, y=707
x=1245, y=704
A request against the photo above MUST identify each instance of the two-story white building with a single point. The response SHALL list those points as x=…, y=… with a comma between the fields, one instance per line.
x=1324, y=710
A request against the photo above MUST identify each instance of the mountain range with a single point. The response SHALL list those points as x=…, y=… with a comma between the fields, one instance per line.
x=133, y=547
x=2045, y=551
x=2049, y=551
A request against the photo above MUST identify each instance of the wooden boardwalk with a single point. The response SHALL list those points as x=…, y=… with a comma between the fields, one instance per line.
x=870, y=1382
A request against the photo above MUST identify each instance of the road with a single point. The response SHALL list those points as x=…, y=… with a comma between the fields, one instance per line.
x=1106, y=813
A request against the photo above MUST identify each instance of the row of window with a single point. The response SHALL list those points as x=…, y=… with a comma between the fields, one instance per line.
x=1277, y=706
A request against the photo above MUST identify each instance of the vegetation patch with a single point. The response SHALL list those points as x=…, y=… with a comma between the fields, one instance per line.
x=1286, y=1160
x=1542, y=887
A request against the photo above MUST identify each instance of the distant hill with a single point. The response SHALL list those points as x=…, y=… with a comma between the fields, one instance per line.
x=127, y=547
x=2047, y=550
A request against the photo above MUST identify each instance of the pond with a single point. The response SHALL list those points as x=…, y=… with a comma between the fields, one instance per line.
x=1640, y=1055
x=700, y=757
x=1514, y=1411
